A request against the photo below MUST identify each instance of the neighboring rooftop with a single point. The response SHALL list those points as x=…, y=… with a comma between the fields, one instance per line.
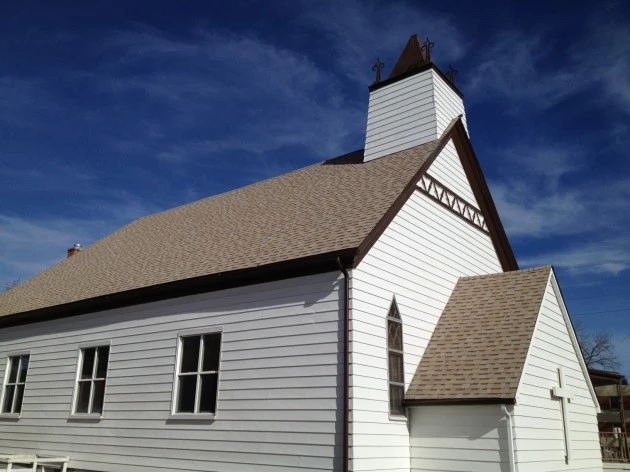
x=479, y=346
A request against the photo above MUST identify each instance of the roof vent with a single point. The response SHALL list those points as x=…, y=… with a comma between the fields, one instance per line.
x=74, y=250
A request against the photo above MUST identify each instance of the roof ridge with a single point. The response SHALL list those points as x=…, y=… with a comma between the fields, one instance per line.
x=508, y=273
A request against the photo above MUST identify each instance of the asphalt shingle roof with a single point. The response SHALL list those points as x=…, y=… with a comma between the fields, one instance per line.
x=479, y=346
x=323, y=208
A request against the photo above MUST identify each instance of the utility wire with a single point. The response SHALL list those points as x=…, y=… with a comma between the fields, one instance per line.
x=600, y=312
x=600, y=296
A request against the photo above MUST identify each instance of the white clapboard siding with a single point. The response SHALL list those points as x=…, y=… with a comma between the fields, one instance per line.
x=409, y=112
x=280, y=384
x=448, y=104
x=417, y=259
x=538, y=427
x=458, y=439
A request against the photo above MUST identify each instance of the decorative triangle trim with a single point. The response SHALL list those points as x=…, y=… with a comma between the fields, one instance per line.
x=441, y=194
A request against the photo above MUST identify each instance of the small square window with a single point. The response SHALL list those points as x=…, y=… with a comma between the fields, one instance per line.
x=91, y=378
x=197, y=374
x=14, y=384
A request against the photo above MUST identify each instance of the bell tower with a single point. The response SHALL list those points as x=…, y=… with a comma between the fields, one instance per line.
x=413, y=105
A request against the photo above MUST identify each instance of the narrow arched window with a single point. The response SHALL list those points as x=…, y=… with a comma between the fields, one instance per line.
x=395, y=361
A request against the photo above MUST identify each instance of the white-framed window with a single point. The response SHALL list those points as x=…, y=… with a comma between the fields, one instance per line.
x=91, y=378
x=197, y=373
x=395, y=361
x=14, y=384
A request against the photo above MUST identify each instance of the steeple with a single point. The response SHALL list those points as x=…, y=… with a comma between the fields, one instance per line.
x=413, y=105
x=413, y=56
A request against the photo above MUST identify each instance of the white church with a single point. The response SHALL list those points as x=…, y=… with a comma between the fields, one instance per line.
x=365, y=313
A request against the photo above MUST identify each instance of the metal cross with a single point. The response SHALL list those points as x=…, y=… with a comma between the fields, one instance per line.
x=564, y=395
x=378, y=67
x=450, y=75
x=426, y=49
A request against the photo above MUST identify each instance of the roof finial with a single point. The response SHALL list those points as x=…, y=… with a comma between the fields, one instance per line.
x=426, y=49
x=378, y=67
x=450, y=75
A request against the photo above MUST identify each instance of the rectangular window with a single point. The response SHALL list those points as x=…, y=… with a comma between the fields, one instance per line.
x=395, y=366
x=14, y=384
x=92, y=373
x=198, y=373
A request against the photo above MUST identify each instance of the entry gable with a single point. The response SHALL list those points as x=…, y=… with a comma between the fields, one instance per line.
x=555, y=399
x=554, y=346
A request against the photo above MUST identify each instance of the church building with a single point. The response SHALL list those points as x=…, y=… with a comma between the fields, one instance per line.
x=365, y=313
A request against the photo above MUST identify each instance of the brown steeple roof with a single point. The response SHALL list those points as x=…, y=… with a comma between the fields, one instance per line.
x=411, y=57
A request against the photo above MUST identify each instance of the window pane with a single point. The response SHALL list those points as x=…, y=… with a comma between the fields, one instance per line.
x=88, y=363
x=187, y=392
x=394, y=335
x=190, y=354
x=103, y=357
x=211, y=351
x=83, y=397
x=396, y=393
x=13, y=368
x=396, y=367
x=19, y=396
x=8, y=399
x=393, y=311
x=99, y=394
x=208, y=400
x=23, y=369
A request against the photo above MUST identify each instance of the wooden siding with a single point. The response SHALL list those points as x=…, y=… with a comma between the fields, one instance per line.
x=458, y=439
x=418, y=259
x=280, y=387
x=538, y=427
x=448, y=104
x=410, y=112
x=400, y=116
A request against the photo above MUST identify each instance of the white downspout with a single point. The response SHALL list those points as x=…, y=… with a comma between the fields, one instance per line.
x=510, y=437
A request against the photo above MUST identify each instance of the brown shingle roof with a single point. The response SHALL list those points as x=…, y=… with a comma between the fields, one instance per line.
x=479, y=346
x=323, y=208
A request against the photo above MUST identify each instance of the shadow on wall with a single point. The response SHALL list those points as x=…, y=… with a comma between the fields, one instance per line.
x=471, y=436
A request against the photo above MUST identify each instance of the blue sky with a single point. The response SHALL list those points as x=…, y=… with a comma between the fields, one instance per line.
x=113, y=110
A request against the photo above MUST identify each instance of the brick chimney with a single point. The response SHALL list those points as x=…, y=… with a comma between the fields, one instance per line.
x=74, y=250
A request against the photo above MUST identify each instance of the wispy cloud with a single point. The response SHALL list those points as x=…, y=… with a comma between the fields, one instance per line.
x=547, y=193
x=359, y=31
x=260, y=97
x=534, y=70
x=29, y=245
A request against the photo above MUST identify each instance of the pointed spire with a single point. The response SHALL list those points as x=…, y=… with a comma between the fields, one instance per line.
x=414, y=54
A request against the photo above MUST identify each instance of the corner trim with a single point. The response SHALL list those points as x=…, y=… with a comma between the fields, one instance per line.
x=482, y=194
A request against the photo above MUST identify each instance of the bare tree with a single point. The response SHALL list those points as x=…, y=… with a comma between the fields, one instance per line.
x=597, y=348
x=10, y=285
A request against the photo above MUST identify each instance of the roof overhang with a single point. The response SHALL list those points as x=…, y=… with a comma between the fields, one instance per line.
x=460, y=401
x=210, y=283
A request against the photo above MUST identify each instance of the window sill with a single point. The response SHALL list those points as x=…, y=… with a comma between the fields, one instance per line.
x=10, y=416
x=93, y=418
x=191, y=417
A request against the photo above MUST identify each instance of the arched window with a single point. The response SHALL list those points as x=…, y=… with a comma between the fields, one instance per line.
x=395, y=361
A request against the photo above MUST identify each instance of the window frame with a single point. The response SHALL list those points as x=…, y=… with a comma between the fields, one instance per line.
x=75, y=394
x=174, y=414
x=403, y=415
x=5, y=381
